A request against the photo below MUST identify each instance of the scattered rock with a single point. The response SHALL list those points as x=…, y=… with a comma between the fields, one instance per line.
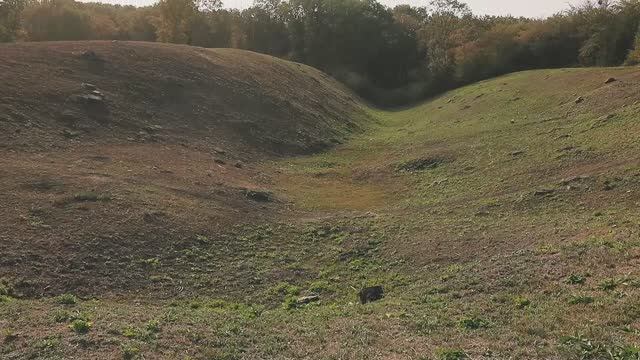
x=579, y=100
x=307, y=299
x=257, y=195
x=371, y=294
x=610, y=80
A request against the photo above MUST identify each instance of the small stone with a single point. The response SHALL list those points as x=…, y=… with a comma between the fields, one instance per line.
x=579, y=100
x=307, y=299
x=238, y=164
x=610, y=80
x=219, y=151
x=89, y=87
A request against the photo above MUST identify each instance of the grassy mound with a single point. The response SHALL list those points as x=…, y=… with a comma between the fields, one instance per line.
x=123, y=91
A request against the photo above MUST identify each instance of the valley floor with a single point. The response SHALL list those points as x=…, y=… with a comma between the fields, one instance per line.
x=501, y=219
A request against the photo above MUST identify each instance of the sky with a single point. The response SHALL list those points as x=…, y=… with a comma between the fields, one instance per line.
x=528, y=8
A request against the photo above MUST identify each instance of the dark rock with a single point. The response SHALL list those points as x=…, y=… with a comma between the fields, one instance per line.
x=238, y=164
x=259, y=196
x=89, y=87
x=579, y=100
x=219, y=161
x=610, y=80
x=371, y=294
x=517, y=153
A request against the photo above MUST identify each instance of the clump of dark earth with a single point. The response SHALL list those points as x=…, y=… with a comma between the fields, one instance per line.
x=257, y=195
x=371, y=294
x=421, y=164
x=610, y=80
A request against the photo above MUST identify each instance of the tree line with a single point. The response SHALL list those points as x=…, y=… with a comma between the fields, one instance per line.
x=391, y=56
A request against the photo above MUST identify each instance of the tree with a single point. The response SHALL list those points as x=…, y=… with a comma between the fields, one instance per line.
x=10, y=17
x=53, y=20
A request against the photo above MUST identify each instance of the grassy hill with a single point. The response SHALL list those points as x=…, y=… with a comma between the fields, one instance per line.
x=500, y=218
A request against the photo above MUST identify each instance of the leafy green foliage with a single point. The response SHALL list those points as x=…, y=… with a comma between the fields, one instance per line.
x=80, y=326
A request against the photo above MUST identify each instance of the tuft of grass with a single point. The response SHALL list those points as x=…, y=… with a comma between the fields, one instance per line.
x=451, y=354
x=581, y=299
x=66, y=299
x=129, y=332
x=609, y=284
x=522, y=302
x=130, y=352
x=153, y=326
x=575, y=279
x=473, y=323
x=80, y=326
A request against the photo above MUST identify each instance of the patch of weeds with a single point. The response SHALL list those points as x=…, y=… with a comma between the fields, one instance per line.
x=587, y=349
x=290, y=302
x=521, y=302
x=5, y=299
x=48, y=343
x=66, y=299
x=575, y=279
x=9, y=335
x=609, y=284
x=153, y=326
x=202, y=239
x=5, y=290
x=286, y=289
x=426, y=325
x=153, y=262
x=473, y=323
x=83, y=197
x=321, y=287
x=130, y=352
x=451, y=354
x=61, y=316
x=80, y=326
x=130, y=332
x=580, y=300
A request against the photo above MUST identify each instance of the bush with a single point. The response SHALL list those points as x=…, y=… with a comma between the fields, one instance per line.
x=80, y=326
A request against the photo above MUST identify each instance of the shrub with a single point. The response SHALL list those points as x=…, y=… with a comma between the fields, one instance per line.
x=66, y=299
x=80, y=326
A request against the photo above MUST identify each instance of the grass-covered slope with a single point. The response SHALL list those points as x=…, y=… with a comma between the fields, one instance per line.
x=501, y=220
x=167, y=93
x=113, y=154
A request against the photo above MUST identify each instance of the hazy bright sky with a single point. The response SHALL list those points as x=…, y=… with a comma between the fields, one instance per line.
x=529, y=8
